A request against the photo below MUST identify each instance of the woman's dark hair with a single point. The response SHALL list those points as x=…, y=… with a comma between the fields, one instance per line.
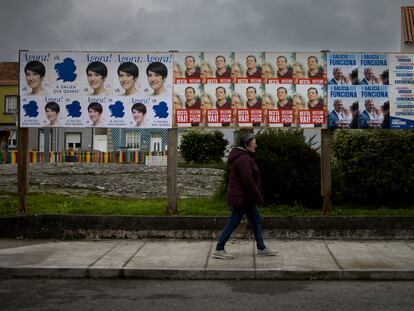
x=159, y=68
x=52, y=106
x=139, y=107
x=95, y=106
x=36, y=67
x=99, y=68
x=129, y=68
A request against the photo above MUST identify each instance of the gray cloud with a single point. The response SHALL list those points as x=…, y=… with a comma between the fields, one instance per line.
x=204, y=25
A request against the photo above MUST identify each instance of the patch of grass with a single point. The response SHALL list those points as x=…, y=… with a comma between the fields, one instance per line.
x=92, y=205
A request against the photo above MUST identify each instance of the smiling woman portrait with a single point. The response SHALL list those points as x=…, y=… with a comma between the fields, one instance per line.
x=97, y=73
x=35, y=72
x=156, y=74
x=128, y=75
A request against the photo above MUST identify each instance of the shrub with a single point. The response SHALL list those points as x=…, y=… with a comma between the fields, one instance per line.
x=200, y=146
x=289, y=168
x=373, y=166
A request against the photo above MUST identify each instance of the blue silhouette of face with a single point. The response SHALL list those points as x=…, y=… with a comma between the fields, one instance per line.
x=117, y=109
x=31, y=109
x=74, y=109
x=161, y=110
x=66, y=70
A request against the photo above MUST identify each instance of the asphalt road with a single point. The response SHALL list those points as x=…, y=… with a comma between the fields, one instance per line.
x=118, y=294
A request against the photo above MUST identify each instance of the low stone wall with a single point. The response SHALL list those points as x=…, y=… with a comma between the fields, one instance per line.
x=178, y=227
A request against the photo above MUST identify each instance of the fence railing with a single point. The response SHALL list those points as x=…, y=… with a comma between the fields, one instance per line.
x=121, y=156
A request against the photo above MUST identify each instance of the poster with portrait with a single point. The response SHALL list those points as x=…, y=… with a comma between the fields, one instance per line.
x=81, y=77
x=342, y=68
x=190, y=96
x=187, y=67
x=216, y=67
x=373, y=106
x=248, y=104
x=343, y=106
x=278, y=104
x=218, y=104
x=310, y=106
x=247, y=67
x=310, y=68
x=373, y=69
x=277, y=68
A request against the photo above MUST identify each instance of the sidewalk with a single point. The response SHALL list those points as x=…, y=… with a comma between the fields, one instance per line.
x=191, y=259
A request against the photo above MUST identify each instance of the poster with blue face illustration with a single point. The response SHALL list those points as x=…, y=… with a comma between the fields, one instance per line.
x=113, y=80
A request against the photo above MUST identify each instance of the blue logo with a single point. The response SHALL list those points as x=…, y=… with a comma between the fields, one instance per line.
x=31, y=109
x=66, y=70
x=161, y=110
x=117, y=109
x=74, y=109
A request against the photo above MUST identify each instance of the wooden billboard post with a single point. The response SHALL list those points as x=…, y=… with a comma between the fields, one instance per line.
x=23, y=169
x=172, y=172
x=326, y=178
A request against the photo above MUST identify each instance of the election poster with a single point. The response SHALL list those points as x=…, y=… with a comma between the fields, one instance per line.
x=343, y=106
x=402, y=90
x=190, y=113
x=249, y=104
x=342, y=68
x=373, y=69
x=187, y=67
x=278, y=68
x=310, y=68
x=247, y=67
x=278, y=105
x=68, y=89
x=218, y=111
x=310, y=106
x=374, y=106
x=216, y=67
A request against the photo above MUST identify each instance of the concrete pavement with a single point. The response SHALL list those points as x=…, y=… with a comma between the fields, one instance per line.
x=191, y=259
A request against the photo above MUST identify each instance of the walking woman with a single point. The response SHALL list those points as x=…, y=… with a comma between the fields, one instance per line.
x=243, y=196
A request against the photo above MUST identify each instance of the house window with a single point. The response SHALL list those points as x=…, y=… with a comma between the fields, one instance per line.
x=73, y=141
x=132, y=140
x=10, y=104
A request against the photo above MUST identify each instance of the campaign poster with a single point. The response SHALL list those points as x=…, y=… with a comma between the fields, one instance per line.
x=190, y=112
x=310, y=106
x=216, y=67
x=187, y=68
x=79, y=77
x=277, y=68
x=373, y=69
x=342, y=68
x=278, y=105
x=401, y=69
x=218, y=104
x=247, y=67
x=310, y=68
x=402, y=90
x=402, y=108
x=343, y=106
x=248, y=104
x=373, y=106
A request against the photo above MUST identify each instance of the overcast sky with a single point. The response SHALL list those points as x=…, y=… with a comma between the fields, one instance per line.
x=199, y=25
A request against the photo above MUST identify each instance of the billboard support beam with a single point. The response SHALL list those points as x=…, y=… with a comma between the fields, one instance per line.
x=23, y=169
x=326, y=178
x=172, y=172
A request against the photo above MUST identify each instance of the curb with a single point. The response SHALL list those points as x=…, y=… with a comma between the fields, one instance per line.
x=177, y=274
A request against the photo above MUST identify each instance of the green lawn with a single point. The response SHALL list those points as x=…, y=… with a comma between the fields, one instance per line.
x=58, y=204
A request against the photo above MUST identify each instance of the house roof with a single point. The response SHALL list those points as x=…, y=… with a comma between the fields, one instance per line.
x=9, y=73
x=407, y=18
